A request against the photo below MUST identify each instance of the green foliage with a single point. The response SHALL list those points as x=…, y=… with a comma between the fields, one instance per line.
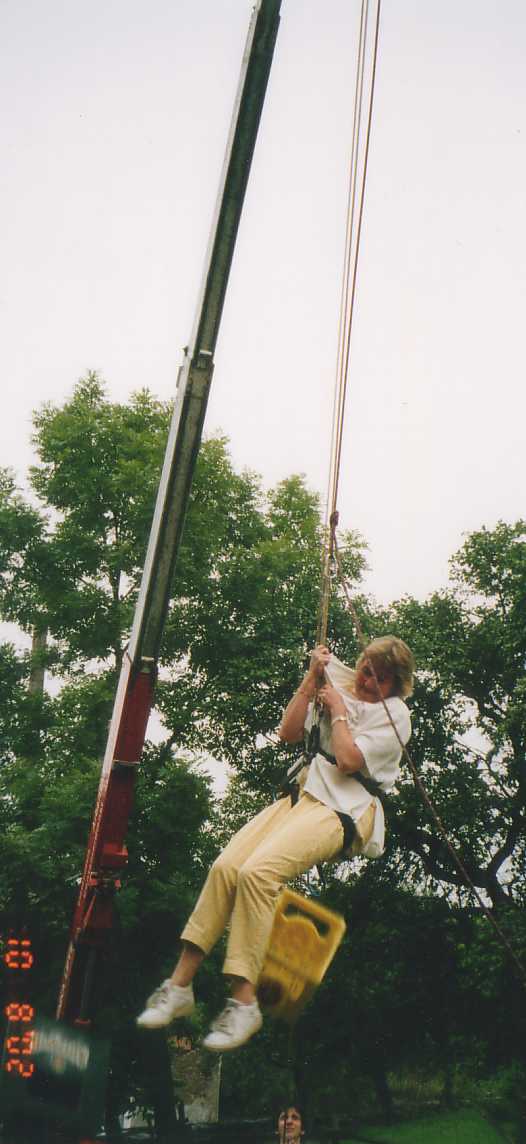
x=502, y=1096
x=449, y=1128
x=420, y=974
x=22, y=555
x=99, y=473
x=70, y=571
x=470, y=722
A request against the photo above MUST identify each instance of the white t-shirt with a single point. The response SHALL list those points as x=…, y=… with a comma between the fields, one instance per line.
x=373, y=734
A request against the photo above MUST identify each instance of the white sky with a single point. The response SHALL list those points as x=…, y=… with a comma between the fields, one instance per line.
x=114, y=118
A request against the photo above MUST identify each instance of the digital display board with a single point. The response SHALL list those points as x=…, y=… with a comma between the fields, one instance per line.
x=51, y=1072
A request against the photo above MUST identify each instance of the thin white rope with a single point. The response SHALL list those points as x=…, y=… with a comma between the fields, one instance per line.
x=355, y=207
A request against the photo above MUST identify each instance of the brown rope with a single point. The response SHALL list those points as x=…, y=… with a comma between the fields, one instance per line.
x=414, y=772
x=348, y=293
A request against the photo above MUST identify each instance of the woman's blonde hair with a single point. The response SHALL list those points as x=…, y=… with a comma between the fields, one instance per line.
x=393, y=654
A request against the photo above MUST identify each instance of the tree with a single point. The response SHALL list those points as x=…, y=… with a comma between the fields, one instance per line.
x=470, y=715
x=241, y=620
x=71, y=568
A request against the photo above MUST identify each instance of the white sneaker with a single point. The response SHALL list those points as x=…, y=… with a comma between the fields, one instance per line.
x=235, y=1025
x=165, y=1004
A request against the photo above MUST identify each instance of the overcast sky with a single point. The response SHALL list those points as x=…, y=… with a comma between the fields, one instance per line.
x=114, y=118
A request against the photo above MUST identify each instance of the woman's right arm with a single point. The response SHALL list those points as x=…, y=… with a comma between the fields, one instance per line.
x=293, y=721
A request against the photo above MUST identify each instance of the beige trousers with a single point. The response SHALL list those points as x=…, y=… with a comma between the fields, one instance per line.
x=245, y=880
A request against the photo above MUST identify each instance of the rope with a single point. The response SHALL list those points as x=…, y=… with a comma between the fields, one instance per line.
x=348, y=293
x=416, y=777
x=331, y=556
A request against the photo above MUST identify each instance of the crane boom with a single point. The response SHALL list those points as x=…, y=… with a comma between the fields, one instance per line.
x=106, y=852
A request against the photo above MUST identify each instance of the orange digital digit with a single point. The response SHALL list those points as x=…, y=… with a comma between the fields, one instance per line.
x=26, y=956
x=18, y=954
x=12, y=954
x=16, y=1012
x=23, y=1068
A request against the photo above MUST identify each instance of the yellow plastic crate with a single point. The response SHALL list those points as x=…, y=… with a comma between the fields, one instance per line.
x=303, y=941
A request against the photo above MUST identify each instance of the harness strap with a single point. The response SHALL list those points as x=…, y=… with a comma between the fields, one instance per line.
x=288, y=783
x=312, y=748
x=371, y=785
x=349, y=830
x=291, y=788
x=348, y=825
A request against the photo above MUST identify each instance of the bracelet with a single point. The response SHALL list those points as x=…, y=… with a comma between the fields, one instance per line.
x=338, y=719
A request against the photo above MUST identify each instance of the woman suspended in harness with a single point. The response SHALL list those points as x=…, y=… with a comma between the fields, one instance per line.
x=334, y=813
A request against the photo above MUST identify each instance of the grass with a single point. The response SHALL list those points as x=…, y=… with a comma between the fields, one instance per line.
x=464, y=1127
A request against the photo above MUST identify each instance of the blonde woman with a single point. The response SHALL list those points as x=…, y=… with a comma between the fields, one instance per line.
x=364, y=720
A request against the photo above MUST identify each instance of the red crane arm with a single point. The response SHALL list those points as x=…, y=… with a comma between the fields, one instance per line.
x=106, y=853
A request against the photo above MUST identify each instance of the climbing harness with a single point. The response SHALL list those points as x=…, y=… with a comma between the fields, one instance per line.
x=290, y=785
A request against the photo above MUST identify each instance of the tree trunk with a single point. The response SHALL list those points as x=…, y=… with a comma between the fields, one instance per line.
x=38, y=671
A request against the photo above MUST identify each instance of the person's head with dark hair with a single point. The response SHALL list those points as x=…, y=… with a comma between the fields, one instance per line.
x=291, y=1125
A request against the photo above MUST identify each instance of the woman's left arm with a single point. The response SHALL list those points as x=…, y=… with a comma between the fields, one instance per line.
x=348, y=756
